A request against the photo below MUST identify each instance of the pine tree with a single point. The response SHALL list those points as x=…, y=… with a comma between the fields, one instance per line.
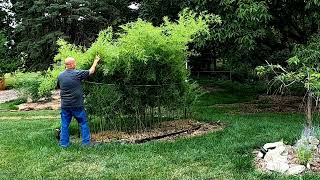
x=8, y=62
x=42, y=22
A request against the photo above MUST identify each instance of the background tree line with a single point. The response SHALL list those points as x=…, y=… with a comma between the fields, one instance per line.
x=251, y=31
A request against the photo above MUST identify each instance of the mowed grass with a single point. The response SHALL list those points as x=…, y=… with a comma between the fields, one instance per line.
x=29, y=150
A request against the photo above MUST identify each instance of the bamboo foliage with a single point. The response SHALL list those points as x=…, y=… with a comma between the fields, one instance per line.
x=142, y=76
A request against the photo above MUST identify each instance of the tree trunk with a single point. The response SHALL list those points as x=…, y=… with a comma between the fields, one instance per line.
x=309, y=110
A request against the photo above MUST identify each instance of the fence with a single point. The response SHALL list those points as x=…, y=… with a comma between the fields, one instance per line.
x=133, y=107
x=228, y=74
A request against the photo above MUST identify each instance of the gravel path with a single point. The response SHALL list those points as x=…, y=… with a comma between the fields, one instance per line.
x=8, y=95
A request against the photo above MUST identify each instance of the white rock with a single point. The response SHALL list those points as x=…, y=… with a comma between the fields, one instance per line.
x=277, y=166
x=260, y=154
x=314, y=147
x=275, y=155
x=308, y=166
x=279, y=150
x=302, y=142
x=285, y=152
x=313, y=140
x=272, y=145
x=296, y=169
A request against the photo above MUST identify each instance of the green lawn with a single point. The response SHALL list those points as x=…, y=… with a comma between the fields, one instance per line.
x=28, y=150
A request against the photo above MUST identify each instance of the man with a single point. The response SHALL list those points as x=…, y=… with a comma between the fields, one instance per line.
x=69, y=82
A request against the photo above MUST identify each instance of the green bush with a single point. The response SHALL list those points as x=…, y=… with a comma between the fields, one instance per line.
x=142, y=53
x=305, y=154
x=28, y=83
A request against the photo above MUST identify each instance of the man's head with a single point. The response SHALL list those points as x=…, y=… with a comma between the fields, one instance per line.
x=70, y=63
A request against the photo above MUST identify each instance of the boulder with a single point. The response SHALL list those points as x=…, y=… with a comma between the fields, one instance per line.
x=277, y=166
x=276, y=155
x=308, y=166
x=277, y=159
x=313, y=141
x=296, y=169
x=260, y=155
x=301, y=142
x=273, y=145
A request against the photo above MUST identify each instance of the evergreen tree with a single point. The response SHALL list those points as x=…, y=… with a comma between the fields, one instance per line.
x=8, y=62
x=42, y=22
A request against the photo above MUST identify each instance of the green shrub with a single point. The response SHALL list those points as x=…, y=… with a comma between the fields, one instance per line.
x=10, y=80
x=28, y=83
x=142, y=53
x=305, y=154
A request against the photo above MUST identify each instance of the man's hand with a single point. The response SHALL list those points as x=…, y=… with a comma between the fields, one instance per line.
x=97, y=59
x=93, y=67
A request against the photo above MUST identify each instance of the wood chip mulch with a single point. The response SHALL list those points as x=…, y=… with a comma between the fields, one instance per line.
x=165, y=131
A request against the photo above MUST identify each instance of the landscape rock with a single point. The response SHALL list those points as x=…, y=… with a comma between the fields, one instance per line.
x=260, y=154
x=296, y=169
x=284, y=158
x=277, y=166
x=313, y=141
x=42, y=104
x=308, y=166
x=276, y=155
x=276, y=158
x=273, y=145
x=301, y=142
x=39, y=106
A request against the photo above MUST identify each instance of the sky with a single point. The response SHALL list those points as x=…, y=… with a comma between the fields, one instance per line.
x=134, y=6
x=6, y=6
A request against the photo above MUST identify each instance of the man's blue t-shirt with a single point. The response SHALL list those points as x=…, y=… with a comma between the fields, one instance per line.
x=69, y=82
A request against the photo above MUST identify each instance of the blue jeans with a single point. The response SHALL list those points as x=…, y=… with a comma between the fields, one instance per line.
x=66, y=116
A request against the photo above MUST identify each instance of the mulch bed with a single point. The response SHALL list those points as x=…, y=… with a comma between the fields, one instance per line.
x=168, y=131
x=267, y=103
x=42, y=104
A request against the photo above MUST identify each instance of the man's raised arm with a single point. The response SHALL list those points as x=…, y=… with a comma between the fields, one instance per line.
x=94, y=65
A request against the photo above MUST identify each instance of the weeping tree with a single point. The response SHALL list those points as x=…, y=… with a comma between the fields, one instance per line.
x=304, y=69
